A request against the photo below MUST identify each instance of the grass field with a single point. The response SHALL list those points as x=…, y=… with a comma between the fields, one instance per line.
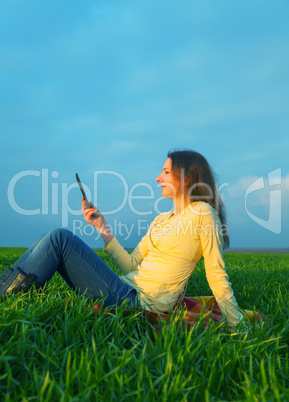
x=53, y=350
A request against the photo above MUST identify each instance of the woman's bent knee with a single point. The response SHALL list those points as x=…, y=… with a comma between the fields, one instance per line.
x=60, y=235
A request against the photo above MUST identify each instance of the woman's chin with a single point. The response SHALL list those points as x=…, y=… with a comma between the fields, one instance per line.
x=165, y=195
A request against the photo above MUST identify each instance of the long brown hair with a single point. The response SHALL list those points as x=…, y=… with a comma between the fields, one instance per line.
x=201, y=181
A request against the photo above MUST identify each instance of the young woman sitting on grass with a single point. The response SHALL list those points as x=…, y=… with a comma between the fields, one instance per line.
x=156, y=273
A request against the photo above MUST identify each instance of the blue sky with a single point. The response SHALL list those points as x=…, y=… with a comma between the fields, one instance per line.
x=111, y=86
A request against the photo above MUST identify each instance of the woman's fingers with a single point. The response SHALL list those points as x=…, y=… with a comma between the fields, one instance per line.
x=91, y=212
x=84, y=205
x=92, y=215
x=87, y=207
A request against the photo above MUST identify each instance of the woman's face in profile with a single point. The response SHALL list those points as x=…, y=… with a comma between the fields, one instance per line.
x=169, y=183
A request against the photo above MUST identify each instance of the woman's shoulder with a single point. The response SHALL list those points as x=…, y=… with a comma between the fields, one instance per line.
x=202, y=208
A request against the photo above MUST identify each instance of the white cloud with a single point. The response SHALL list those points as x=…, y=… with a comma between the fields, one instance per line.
x=238, y=189
x=252, y=197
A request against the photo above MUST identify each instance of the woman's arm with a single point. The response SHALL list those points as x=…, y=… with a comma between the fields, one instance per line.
x=212, y=249
x=125, y=262
x=95, y=218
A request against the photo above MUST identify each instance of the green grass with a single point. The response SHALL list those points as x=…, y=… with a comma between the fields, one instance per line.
x=53, y=350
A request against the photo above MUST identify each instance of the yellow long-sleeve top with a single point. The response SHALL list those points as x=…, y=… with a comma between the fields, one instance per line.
x=162, y=263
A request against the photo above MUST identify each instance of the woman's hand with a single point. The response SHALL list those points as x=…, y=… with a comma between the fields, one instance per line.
x=93, y=216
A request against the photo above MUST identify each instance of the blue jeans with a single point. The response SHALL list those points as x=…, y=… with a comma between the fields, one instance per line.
x=84, y=271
